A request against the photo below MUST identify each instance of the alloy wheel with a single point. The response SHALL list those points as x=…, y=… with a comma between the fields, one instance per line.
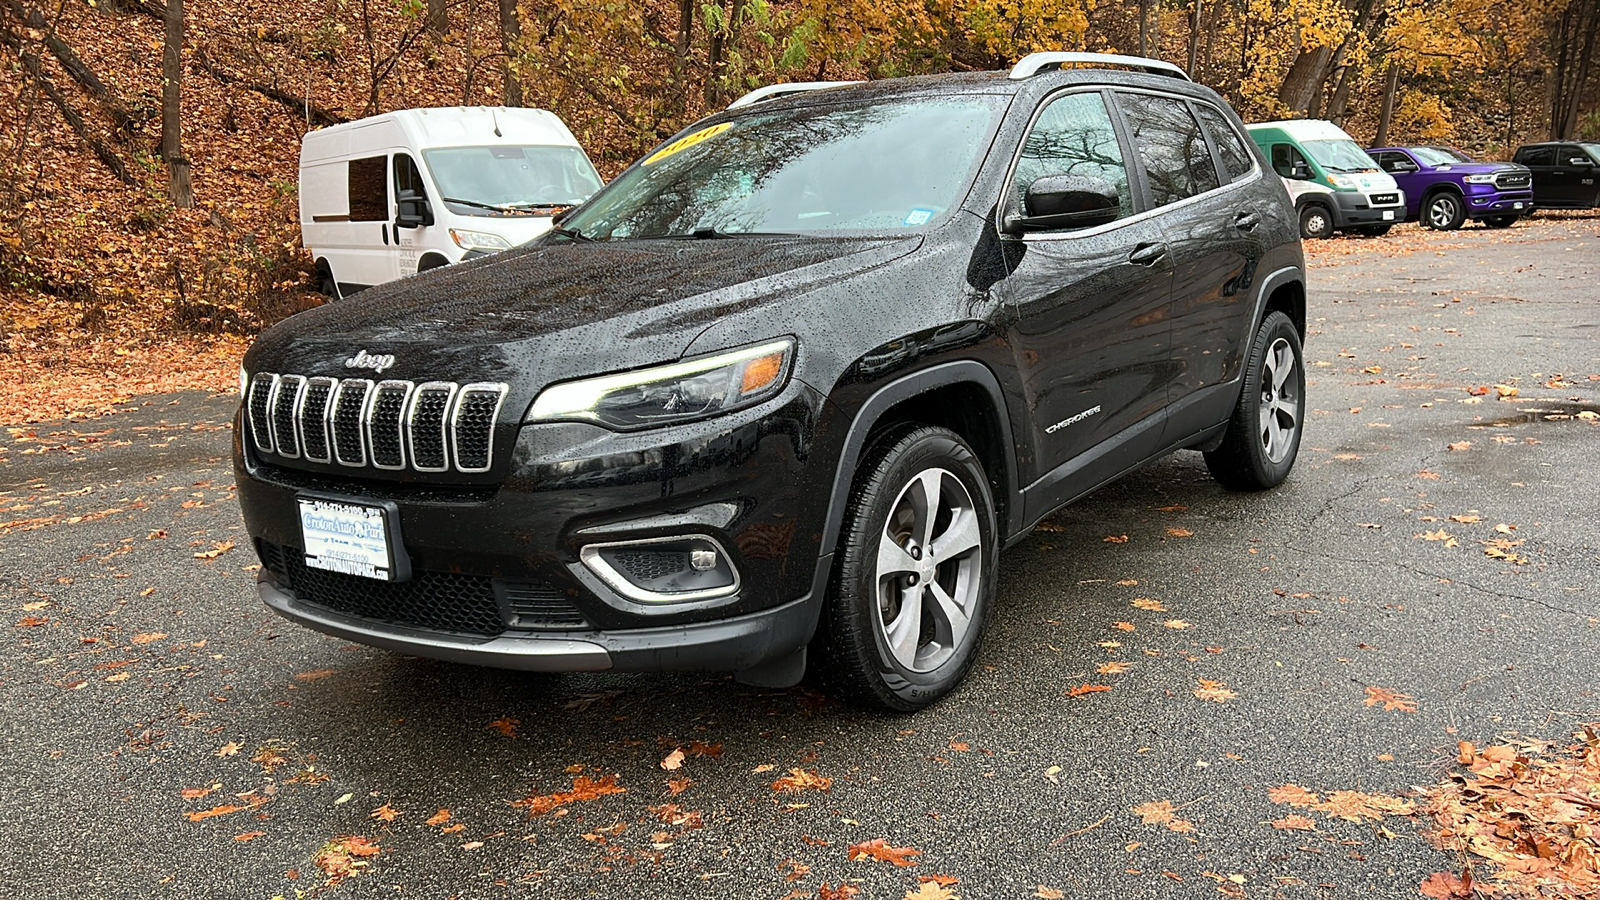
x=1280, y=403
x=1442, y=211
x=929, y=571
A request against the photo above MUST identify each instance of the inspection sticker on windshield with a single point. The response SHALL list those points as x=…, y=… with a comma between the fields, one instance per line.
x=346, y=537
x=687, y=141
x=919, y=216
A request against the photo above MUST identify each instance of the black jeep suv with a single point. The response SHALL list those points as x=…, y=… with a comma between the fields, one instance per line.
x=788, y=384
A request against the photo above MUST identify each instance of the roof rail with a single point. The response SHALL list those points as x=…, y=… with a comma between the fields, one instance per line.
x=774, y=91
x=1034, y=63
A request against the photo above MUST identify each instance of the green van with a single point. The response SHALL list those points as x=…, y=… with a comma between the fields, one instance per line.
x=1364, y=198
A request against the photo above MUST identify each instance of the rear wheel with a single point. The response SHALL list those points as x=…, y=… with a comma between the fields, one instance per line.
x=1443, y=211
x=1264, y=433
x=1499, y=221
x=1316, y=222
x=915, y=579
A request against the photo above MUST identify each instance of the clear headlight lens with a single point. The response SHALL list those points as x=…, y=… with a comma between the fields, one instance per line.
x=1342, y=181
x=673, y=393
x=478, y=240
x=244, y=381
x=1487, y=178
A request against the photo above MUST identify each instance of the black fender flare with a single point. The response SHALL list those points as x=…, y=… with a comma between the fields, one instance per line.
x=1278, y=278
x=965, y=371
x=432, y=261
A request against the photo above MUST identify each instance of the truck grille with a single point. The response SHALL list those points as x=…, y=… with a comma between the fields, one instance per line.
x=1513, y=179
x=1384, y=199
x=433, y=427
x=432, y=601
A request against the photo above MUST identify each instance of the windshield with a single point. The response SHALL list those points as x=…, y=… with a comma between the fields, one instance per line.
x=1440, y=156
x=886, y=167
x=491, y=181
x=1340, y=155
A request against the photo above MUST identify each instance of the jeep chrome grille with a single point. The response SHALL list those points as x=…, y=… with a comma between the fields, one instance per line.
x=433, y=427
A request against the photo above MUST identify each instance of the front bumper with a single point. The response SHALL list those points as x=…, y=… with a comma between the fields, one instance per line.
x=1499, y=203
x=740, y=643
x=1354, y=209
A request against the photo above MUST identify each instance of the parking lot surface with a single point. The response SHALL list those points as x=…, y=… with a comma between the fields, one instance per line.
x=1164, y=659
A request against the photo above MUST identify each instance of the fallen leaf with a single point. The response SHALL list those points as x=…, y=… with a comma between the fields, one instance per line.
x=1123, y=626
x=506, y=726
x=1390, y=699
x=147, y=637
x=1505, y=391
x=799, y=780
x=313, y=675
x=1049, y=893
x=584, y=789
x=1162, y=812
x=673, y=760
x=1177, y=623
x=1180, y=532
x=438, y=818
x=1459, y=445
x=1214, y=691
x=1444, y=886
x=217, y=549
x=842, y=892
x=230, y=749
x=1294, y=822
x=879, y=849
x=1084, y=689
x=1115, y=539
x=1148, y=604
x=385, y=813
x=1112, y=668
x=248, y=836
x=32, y=621
x=929, y=890
x=213, y=812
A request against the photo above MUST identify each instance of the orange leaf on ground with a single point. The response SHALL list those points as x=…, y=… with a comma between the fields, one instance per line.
x=929, y=890
x=32, y=621
x=799, y=780
x=1294, y=822
x=506, y=726
x=1112, y=668
x=1214, y=691
x=1294, y=795
x=879, y=849
x=1162, y=812
x=584, y=788
x=1391, y=699
x=438, y=818
x=248, y=836
x=1444, y=886
x=1148, y=604
x=945, y=880
x=213, y=811
x=386, y=813
x=842, y=892
x=1048, y=893
x=673, y=760
x=1084, y=689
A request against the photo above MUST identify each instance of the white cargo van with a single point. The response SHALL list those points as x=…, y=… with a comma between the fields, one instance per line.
x=411, y=190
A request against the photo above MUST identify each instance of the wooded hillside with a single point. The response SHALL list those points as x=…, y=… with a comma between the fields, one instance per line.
x=96, y=238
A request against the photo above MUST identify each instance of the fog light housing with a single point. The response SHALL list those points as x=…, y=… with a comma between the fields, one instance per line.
x=664, y=570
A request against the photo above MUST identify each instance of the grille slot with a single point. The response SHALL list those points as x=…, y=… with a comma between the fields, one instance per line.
x=386, y=424
x=648, y=565
x=285, y=415
x=472, y=431
x=261, y=390
x=313, y=414
x=433, y=427
x=1385, y=199
x=349, y=409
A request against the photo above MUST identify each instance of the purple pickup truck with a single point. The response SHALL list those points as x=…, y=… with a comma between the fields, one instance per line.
x=1444, y=187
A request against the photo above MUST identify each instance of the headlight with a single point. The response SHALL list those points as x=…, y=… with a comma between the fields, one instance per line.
x=1481, y=179
x=677, y=392
x=1342, y=181
x=478, y=240
x=244, y=382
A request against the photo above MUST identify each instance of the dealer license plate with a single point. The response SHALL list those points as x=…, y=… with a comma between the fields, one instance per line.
x=1517, y=205
x=346, y=537
x=1388, y=215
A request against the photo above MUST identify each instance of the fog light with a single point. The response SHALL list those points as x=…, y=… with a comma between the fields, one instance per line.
x=664, y=570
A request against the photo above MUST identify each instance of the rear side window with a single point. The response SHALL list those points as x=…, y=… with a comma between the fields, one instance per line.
x=1537, y=156
x=1074, y=136
x=1235, y=158
x=1177, y=162
x=369, y=190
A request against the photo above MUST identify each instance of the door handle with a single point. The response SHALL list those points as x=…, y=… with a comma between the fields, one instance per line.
x=1147, y=254
x=386, y=234
x=1246, y=221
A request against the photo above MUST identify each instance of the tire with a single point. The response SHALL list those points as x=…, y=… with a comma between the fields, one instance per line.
x=1264, y=431
x=1373, y=230
x=327, y=286
x=1499, y=221
x=888, y=641
x=1443, y=211
x=1316, y=222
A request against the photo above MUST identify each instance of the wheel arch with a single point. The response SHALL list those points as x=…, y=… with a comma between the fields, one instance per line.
x=1283, y=291
x=963, y=396
x=432, y=260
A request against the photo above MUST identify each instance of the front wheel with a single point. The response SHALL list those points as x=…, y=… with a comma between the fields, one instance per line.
x=1263, y=435
x=912, y=589
x=1499, y=221
x=1316, y=222
x=1443, y=211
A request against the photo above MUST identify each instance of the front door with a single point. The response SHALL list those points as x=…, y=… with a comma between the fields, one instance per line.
x=409, y=243
x=1090, y=329
x=1576, y=175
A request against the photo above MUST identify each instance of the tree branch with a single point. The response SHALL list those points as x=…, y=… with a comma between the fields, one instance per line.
x=317, y=115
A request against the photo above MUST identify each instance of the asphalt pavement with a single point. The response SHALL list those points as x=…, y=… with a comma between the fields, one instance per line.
x=163, y=735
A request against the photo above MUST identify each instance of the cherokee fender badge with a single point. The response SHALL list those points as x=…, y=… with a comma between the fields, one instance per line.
x=364, y=360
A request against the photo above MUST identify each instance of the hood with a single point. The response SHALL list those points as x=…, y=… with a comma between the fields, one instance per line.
x=553, y=311
x=1480, y=168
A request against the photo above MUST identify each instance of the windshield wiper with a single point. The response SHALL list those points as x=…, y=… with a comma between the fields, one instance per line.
x=473, y=203
x=572, y=234
x=711, y=232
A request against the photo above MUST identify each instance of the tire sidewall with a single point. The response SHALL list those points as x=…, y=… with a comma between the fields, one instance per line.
x=1455, y=219
x=855, y=594
x=1327, y=223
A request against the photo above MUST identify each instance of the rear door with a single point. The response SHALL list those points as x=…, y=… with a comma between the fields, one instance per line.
x=1577, y=173
x=365, y=256
x=1198, y=177
x=1090, y=328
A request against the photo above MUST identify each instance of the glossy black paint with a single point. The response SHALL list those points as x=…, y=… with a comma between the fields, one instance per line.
x=1001, y=336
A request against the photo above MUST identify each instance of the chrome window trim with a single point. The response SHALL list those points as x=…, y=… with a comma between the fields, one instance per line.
x=590, y=555
x=500, y=390
x=410, y=420
x=399, y=425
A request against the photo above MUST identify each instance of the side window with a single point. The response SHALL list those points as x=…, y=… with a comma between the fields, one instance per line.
x=1538, y=156
x=1074, y=136
x=407, y=177
x=1389, y=161
x=1285, y=158
x=1167, y=138
x=1571, y=155
x=1236, y=160
x=369, y=190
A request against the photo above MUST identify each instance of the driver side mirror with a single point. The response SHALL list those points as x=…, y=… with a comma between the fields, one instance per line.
x=1582, y=162
x=1403, y=165
x=412, y=210
x=1300, y=171
x=1066, y=201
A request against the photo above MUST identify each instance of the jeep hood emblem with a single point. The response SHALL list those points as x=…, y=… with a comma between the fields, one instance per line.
x=365, y=360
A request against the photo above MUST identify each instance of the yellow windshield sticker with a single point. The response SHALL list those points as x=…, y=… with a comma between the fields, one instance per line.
x=687, y=141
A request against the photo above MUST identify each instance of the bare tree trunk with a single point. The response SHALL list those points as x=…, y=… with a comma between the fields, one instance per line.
x=510, y=37
x=1211, y=39
x=1581, y=76
x=1144, y=28
x=1304, y=79
x=1391, y=86
x=1194, y=37
x=680, y=66
x=438, y=17
x=1339, y=104
x=178, y=188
